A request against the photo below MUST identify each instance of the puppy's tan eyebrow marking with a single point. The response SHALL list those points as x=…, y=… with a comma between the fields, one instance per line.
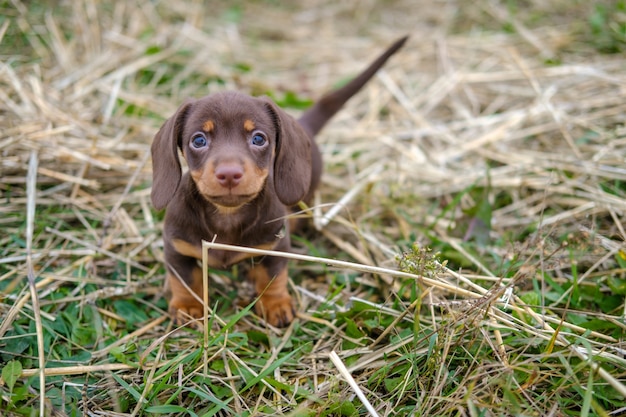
x=208, y=126
x=249, y=125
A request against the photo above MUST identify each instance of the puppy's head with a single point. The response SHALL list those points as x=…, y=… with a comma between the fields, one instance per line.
x=234, y=145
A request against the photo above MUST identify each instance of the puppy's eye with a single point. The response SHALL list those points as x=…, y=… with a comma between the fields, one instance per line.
x=198, y=140
x=258, y=139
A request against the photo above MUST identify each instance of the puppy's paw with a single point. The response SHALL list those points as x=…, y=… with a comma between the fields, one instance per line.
x=183, y=312
x=277, y=311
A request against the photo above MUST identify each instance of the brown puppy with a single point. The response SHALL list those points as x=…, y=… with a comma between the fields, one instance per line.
x=249, y=162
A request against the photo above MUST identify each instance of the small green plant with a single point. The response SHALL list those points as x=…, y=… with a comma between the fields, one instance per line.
x=608, y=26
x=421, y=260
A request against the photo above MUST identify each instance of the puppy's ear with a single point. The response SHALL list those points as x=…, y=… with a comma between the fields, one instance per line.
x=292, y=164
x=166, y=169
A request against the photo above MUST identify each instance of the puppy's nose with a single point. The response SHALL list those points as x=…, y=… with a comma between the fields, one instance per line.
x=229, y=175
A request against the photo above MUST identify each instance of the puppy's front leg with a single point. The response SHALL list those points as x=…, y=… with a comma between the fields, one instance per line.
x=270, y=282
x=183, y=305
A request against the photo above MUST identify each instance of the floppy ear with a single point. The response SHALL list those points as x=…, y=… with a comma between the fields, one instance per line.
x=292, y=164
x=166, y=169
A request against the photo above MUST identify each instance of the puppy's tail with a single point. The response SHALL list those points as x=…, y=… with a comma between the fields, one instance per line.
x=316, y=117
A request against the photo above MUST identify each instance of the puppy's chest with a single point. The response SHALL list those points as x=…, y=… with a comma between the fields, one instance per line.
x=224, y=259
x=220, y=259
x=257, y=235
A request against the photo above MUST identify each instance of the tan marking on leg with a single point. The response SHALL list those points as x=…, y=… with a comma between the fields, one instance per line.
x=249, y=125
x=183, y=306
x=195, y=251
x=188, y=249
x=208, y=126
x=275, y=304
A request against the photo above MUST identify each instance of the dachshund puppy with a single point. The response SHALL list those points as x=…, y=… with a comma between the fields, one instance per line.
x=249, y=163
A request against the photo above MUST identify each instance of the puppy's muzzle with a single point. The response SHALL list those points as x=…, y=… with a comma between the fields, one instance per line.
x=229, y=175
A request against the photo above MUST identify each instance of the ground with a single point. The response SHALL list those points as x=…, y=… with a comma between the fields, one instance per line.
x=475, y=267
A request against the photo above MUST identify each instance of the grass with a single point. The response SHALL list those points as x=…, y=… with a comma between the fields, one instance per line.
x=477, y=269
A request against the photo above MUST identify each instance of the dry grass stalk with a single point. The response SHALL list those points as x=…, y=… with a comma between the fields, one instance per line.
x=355, y=387
x=31, y=187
